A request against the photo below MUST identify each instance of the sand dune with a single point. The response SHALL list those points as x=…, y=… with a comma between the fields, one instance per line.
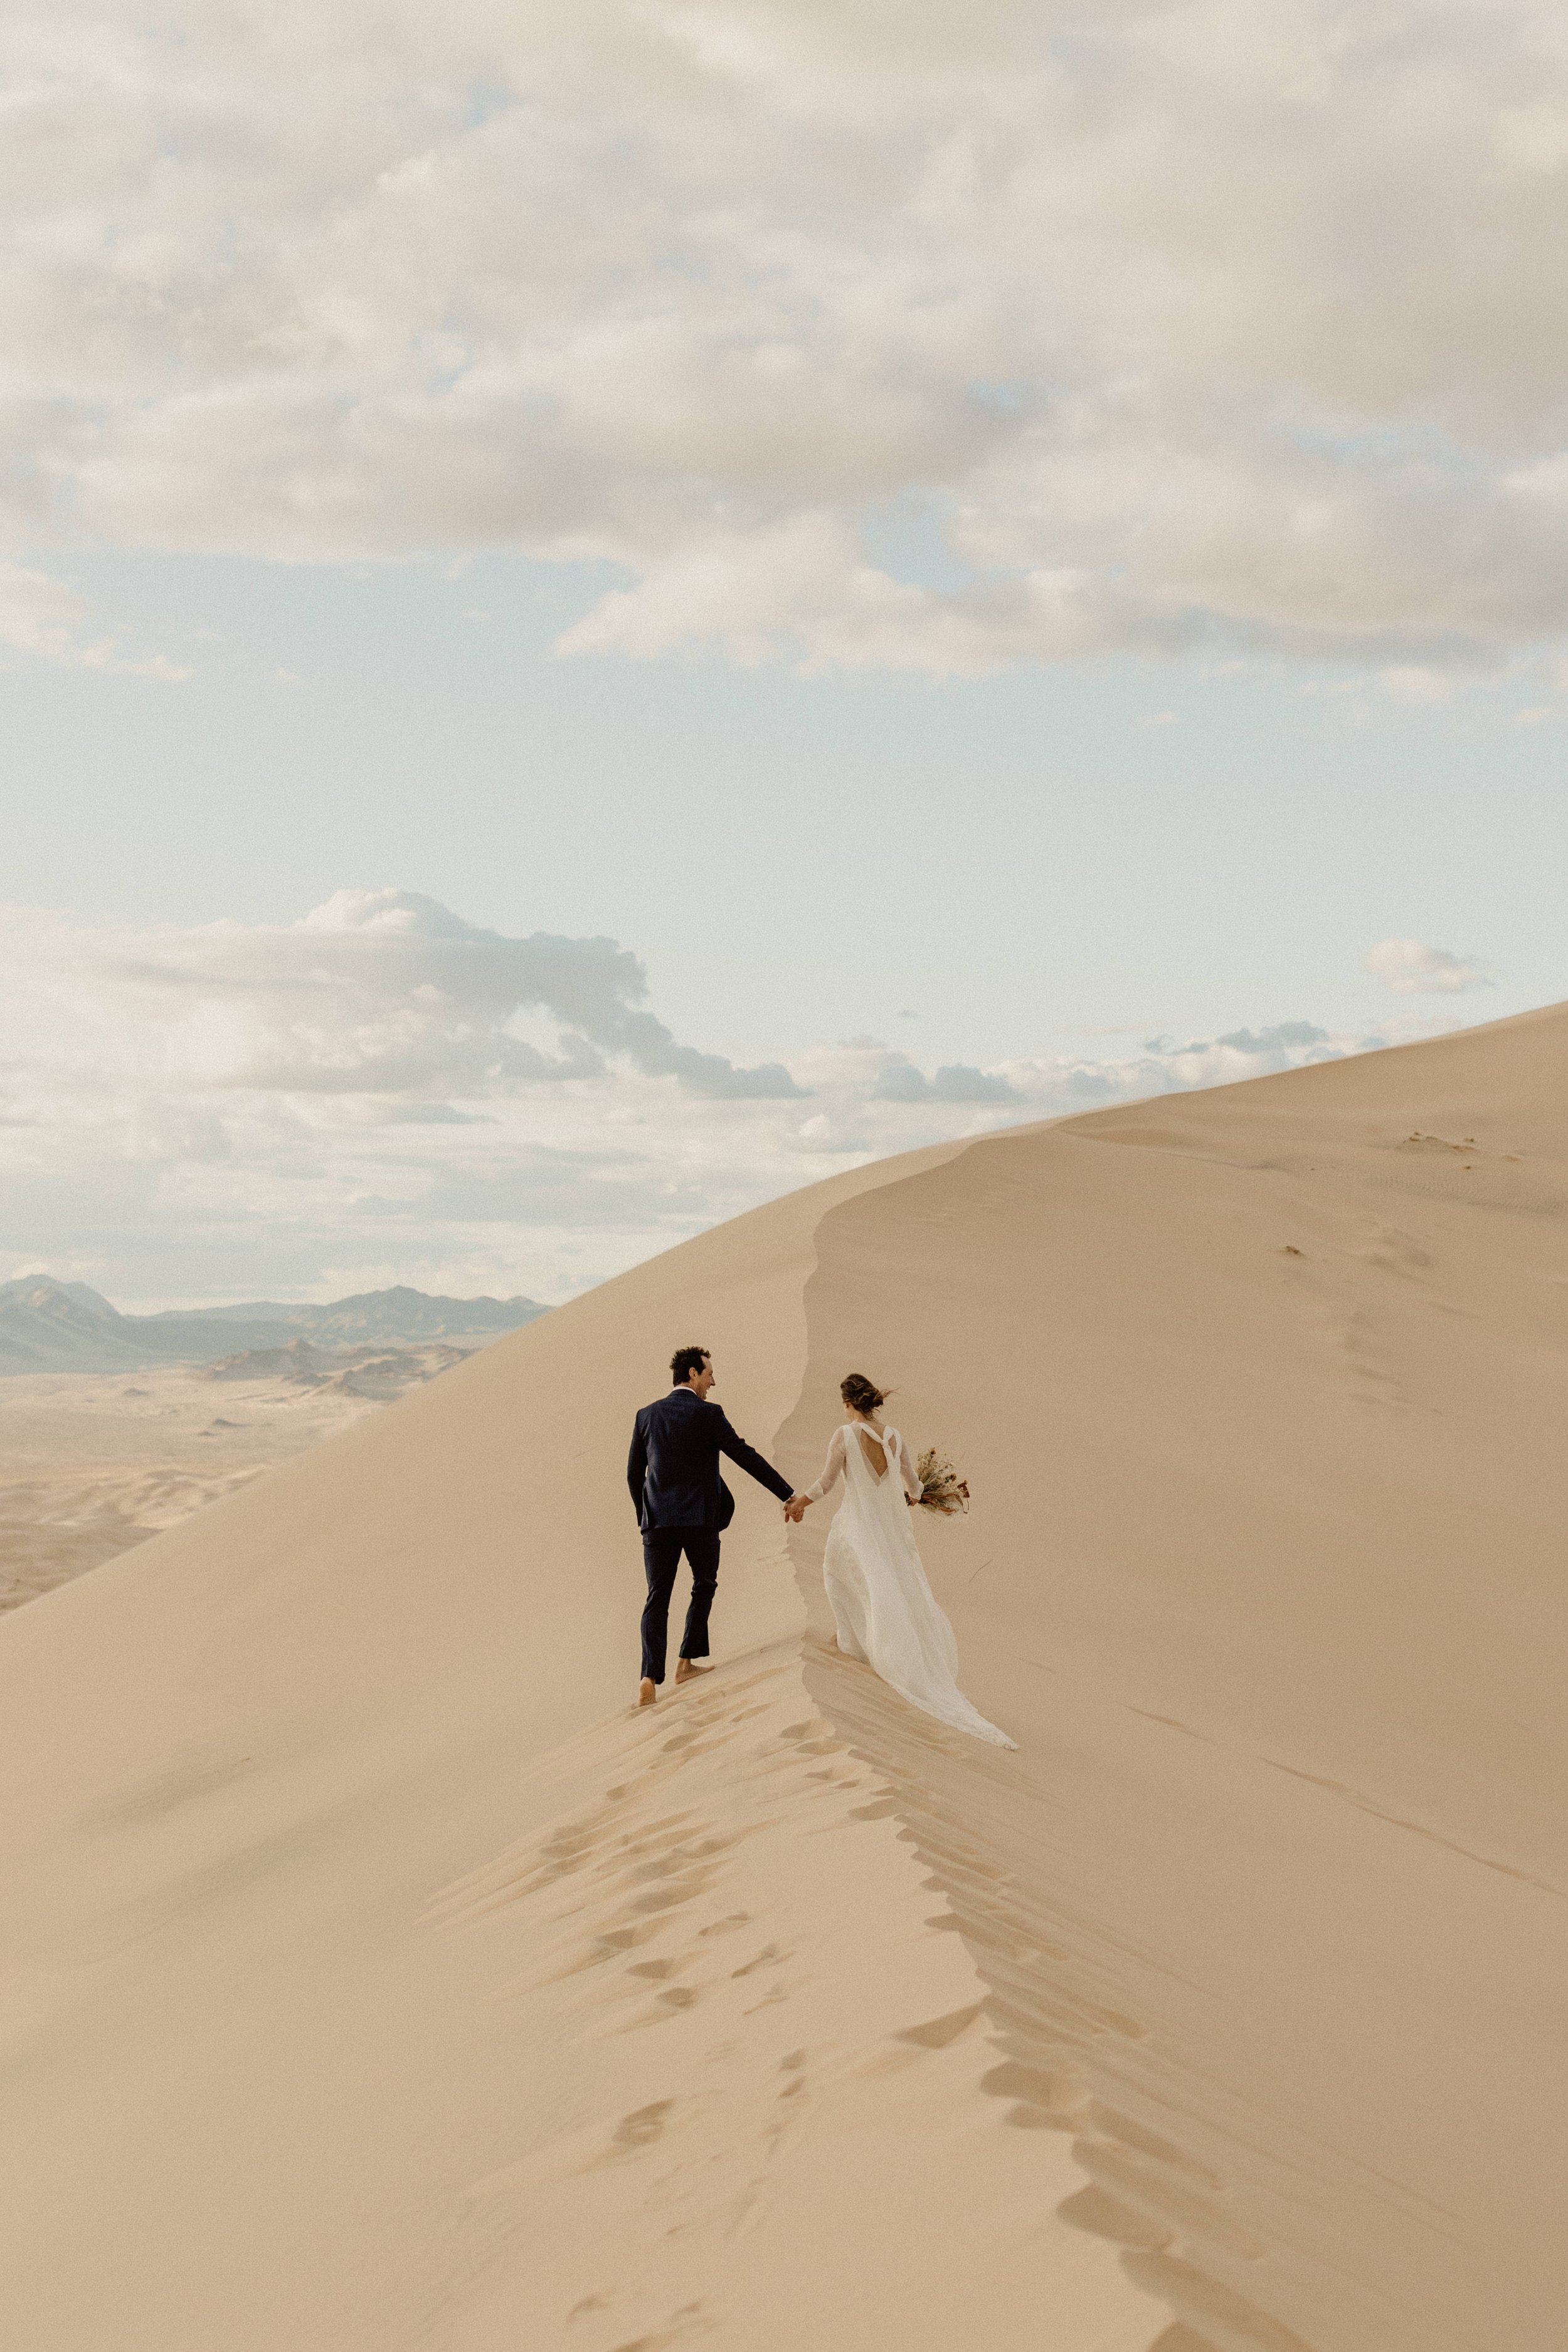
x=374, y=1975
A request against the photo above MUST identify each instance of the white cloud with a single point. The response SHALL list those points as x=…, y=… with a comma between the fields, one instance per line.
x=42, y=616
x=1198, y=326
x=1411, y=969
x=387, y=993
x=235, y=1108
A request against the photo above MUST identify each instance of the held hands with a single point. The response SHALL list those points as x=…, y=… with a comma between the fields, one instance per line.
x=795, y=1508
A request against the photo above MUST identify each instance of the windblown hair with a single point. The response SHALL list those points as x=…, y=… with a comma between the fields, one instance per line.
x=686, y=1361
x=860, y=1394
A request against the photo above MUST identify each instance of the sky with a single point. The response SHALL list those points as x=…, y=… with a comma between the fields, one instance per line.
x=606, y=610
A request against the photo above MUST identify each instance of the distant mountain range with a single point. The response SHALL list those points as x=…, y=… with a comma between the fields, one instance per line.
x=65, y=1327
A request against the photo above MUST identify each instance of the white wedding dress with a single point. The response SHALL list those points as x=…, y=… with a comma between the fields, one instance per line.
x=885, y=1612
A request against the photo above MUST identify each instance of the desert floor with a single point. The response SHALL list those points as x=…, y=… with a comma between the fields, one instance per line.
x=91, y=1464
x=374, y=1975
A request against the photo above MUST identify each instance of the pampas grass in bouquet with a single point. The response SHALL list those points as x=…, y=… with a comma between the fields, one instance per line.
x=945, y=1490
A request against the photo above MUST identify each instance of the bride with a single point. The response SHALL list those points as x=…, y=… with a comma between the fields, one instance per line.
x=884, y=1611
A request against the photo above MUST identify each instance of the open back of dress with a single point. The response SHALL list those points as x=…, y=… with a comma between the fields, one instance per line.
x=883, y=1608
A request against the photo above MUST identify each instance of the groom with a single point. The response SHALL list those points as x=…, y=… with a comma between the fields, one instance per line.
x=682, y=1505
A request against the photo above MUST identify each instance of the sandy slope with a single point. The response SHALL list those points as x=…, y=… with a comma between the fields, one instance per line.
x=373, y=1976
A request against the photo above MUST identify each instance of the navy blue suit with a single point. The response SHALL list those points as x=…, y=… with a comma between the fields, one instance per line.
x=682, y=1505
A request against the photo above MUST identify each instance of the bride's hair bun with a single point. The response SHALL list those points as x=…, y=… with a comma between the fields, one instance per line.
x=860, y=1394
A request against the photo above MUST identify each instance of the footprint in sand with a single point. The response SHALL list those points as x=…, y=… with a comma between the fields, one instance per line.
x=641, y=2127
x=937, y=2032
x=1235, y=2321
x=1104, y=2216
x=770, y=1953
x=1044, y=2101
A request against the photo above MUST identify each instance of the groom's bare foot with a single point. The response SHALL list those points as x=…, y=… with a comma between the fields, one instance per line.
x=647, y=1692
x=686, y=1667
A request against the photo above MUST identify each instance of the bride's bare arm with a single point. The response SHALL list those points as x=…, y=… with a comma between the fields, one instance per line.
x=832, y=1469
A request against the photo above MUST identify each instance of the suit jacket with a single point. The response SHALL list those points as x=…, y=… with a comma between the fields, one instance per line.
x=673, y=1468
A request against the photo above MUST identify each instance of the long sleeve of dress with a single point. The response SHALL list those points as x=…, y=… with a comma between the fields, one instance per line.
x=832, y=1469
x=911, y=1484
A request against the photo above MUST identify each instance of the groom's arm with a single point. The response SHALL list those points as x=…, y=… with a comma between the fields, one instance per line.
x=637, y=1466
x=747, y=1458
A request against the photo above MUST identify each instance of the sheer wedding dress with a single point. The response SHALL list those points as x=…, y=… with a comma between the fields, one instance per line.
x=885, y=1612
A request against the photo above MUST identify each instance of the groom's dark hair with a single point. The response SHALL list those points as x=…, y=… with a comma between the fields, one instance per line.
x=686, y=1361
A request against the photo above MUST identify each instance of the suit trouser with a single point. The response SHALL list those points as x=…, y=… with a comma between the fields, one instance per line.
x=661, y=1550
